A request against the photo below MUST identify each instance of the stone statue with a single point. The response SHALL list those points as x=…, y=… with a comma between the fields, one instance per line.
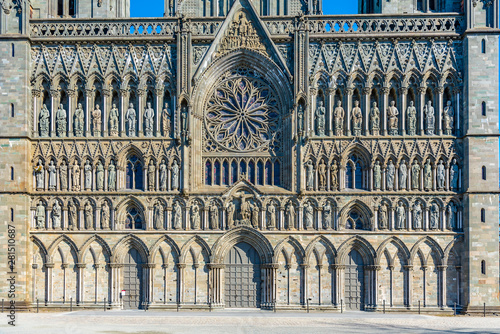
x=391, y=171
x=105, y=216
x=44, y=121
x=78, y=120
x=63, y=175
x=339, y=119
x=89, y=216
x=441, y=176
x=40, y=215
x=322, y=175
x=320, y=119
x=175, y=176
x=310, y=175
x=56, y=215
x=403, y=175
x=451, y=216
x=52, y=176
x=166, y=121
x=195, y=217
x=454, y=173
x=40, y=176
x=61, y=121
x=230, y=216
x=417, y=216
x=392, y=116
x=377, y=176
x=75, y=177
x=333, y=176
x=149, y=115
x=131, y=117
x=415, y=175
x=96, y=120
x=271, y=216
x=72, y=215
x=428, y=176
x=383, y=222
x=357, y=119
x=184, y=119
x=214, y=217
x=111, y=176
x=177, y=216
x=448, y=119
x=158, y=216
x=163, y=176
x=100, y=176
x=375, y=119
x=309, y=216
x=300, y=120
x=88, y=175
x=412, y=119
x=434, y=219
x=255, y=215
x=327, y=216
x=400, y=216
x=290, y=216
x=151, y=176
x=430, y=118
x=114, y=118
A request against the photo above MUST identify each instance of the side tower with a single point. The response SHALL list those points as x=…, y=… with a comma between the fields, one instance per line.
x=80, y=9
x=481, y=73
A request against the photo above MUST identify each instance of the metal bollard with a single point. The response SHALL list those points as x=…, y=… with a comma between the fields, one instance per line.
x=384, y=306
x=2, y=305
x=419, y=307
x=71, y=304
x=341, y=306
x=37, y=305
x=484, y=310
x=274, y=306
x=104, y=304
x=455, y=309
x=307, y=301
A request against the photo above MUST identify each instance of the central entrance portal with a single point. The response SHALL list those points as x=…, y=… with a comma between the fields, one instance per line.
x=242, y=274
x=354, y=281
x=132, y=280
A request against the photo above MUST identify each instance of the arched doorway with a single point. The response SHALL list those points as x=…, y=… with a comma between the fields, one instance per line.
x=132, y=280
x=242, y=277
x=354, y=281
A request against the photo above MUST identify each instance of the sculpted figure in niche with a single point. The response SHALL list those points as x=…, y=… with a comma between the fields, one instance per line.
x=383, y=222
x=113, y=121
x=158, y=216
x=61, y=121
x=417, y=216
x=271, y=216
x=391, y=171
x=357, y=119
x=52, y=176
x=214, y=217
x=339, y=119
x=40, y=175
x=89, y=216
x=454, y=173
x=412, y=119
x=131, y=117
x=290, y=216
x=255, y=215
x=44, y=121
x=166, y=121
x=403, y=175
x=451, y=216
x=112, y=176
x=75, y=177
x=230, y=215
x=100, y=176
x=184, y=119
x=72, y=215
x=428, y=176
x=151, y=176
x=440, y=175
x=300, y=120
x=56, y=215
x=175, y=176
x=430, y=119
x=177, y=216
x=392, y=115
x=149, y=122
x=40, y=215
x=322, y=175
x=309, y=216
x=333, y=176
x=63, y=175
x=310, y=175
x=377, y=176
x=375, y=119
x=434, y=219
x=96, y=120
x=88, y=175
x=105, y=216
x=78, y=120
x=327, y=216
x=415, y=175
x=448, y=119
x=163, y=176
x=320, y=119
x=400, y=216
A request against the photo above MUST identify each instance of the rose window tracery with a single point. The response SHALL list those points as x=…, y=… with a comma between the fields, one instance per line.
x=242, y=113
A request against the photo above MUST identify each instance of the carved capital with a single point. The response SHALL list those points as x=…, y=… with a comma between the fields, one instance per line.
x=440, y=90
x=421, y=90
x=385, y=90
x=403, y=91
x=81, y=265
x=49, y=265
x=337, y=266
x=314, y=91
x=36, y=92
x=124, y=92
x=181, y=265
x=367, y=91
x=408, y=268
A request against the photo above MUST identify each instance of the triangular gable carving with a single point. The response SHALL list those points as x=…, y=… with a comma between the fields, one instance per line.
x=241, y=184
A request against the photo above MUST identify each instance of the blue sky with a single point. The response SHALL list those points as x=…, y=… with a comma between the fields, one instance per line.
x=154, y=8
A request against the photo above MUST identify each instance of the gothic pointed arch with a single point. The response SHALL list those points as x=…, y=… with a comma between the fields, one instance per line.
x=299, y=250
x=398, y=243
x=356, y=215
x=433, y=245
x=86, y=245
x=186, y=248
x=55, y=244
x=359, y=244
x=125, y=244
x=156, y=247
x=320, y=240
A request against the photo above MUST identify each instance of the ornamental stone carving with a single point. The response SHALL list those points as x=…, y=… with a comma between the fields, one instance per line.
x=415, y=175
x=403, y=175
x=96, y=121
x=357, y=119
x=61, y=121
x=400, y=216
x=412, y=119
x=441, y=176
x=214, y=217
x=271, y=216
x=430, y=119
x=163, y=176
x=434, y=217
x=56, y=216
x=100, y=176
x=131, y=117
x=44, y=121
x=309, y=175
x=40, y=176
x=391, y=172
x=333, y=176
x=166, y=121
x=177, y=219
x=230, y=215
x=158, y=216
x=320, y=119
x=63, y=176
x=327, y=216
x=339, y=119
x=375, y=119
x=78, y=121
x=105, y=216
x=383, y=218
x=451, y=216
x=417, y=216
x=149, y=115
x=428, y=176
x=112, y=176
x=40, y=215
x=52, y=176
x=454, y=174
x=322, y=175
x=151, y=176
x=308, y=216
x=75, y=177
x=392, y=116
x=72, y=215
x=89, y=216
x=114, y=119
x=88, y=175
x=195, y=217
x=448, y=119
x=377, y=176
x=290, y=216
x=175, y=176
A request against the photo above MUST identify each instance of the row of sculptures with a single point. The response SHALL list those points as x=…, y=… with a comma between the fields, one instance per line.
x=248, y=214
x=75, y=171
x=393, y=119
x=131, y=117
x=404, y=171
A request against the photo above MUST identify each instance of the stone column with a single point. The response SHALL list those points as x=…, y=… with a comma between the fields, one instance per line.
x=348, y=93
x=36, y=110
x=281, y=222
x=434, y=176
x=106, y=106
x=447, y=177
x=331, y=106
x=404, y=92
x=80, y=295
x=409, y=285
x=141, y=93
x=49, y=284
x=180, y=283
x=158, y=112
x=312, y=125
x=385, y=91
x=442, y=285
x=439, y=109
x=305, y=274
x=89, y=98
x=124, y=94
x=421, y=94
x=55, y=96
x=457, y=117
x=367, y=91
x=301, y=218
x=72, y=103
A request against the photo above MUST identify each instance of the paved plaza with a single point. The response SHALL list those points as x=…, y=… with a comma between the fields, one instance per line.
x=236, y=322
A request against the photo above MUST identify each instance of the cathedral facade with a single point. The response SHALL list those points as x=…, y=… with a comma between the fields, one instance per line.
x=251, y=154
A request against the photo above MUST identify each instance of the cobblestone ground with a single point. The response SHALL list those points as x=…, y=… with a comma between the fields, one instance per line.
x=242, y=322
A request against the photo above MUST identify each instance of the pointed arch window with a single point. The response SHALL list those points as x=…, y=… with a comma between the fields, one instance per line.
x=260, y=173
x=277, y=173
x=349, y=176
x=133, y=221
x=268, y=173
x=134, y=173
x=251, y=172
x=225, y=173
x=234, y=172
x=354, y=221
x=208, y=173
x=217, y=173
x=243, y=167
x=354, y=173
